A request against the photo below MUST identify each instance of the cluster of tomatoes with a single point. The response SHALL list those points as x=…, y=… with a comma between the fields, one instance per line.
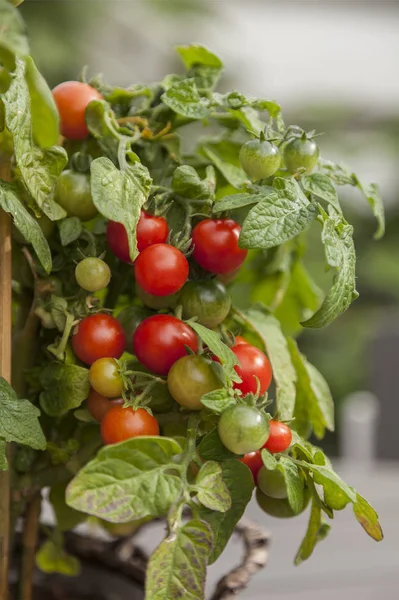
x=166, y=347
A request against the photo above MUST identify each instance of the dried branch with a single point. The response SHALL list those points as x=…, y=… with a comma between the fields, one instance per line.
x=29, y=543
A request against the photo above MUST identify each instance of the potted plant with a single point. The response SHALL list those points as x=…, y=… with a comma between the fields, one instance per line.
x=137, y=390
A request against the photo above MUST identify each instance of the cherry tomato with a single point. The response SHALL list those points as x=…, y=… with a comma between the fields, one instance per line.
x=280, y=437
x=105, y=377
x=92, y=274
x=272, y=483
x=190, y=378
x=161, y=270
x=130, y=318
x=117, y=241
x=243, y=428
x=260, y=159
x=150, y=230
x=73, y=193
x=120, y=424
x=160, y=341
x=301, y=153
x=98, y=336
x=254, y=461
x=240, y=341
x=157, y=302
x=72, y=99
x=279, y=508
x=215, y=243
x=253, y=363
x=208, y=300
x=98, y=405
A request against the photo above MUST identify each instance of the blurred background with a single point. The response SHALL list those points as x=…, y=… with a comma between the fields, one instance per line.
x=333, y=66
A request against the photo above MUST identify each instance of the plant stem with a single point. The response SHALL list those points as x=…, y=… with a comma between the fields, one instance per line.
x=29, y=543
x=5, y=371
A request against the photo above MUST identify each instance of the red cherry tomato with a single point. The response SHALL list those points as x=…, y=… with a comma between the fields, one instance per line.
x=253, y=460
x=120, y=424
x=215, y=243
x=98, y=405
x=240, y=341
x=253, y=363
x=72, y=99
x=150, y=230
x=161, y=270
x=280, y=437
x=160, y=340
x=98, y=336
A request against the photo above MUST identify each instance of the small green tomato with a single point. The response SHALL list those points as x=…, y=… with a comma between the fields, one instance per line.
x=92, y=274
x=260, y=159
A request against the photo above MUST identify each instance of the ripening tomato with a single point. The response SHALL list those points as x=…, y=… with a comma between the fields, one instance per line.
x=254, y=461
x=120, y=424
x=208, y=300
x=105, y=377
x=150, y=230
x=99, y=405
x=215, y=245
x=240, y=341
x=190, y=378
x=280, y=437
x=159, y=341
x=72, y=99
x=243, y=428
x=161, y=270
x=98, y=336
x=253, y=364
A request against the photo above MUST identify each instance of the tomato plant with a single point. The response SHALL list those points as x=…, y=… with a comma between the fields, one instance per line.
x=159, y=341
x=120, y=424
x=215, y=245
x=83, y=184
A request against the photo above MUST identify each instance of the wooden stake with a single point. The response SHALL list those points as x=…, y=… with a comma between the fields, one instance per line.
x=5, y=371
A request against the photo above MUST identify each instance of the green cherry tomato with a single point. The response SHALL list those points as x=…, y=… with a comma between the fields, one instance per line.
x=190, y=378
x=259, y=159
x=243, y=428
x=156, y=302
x=279, y=508
x=130, y=318
x=105, y=378
x=207, y=300
x=301, y=153
x=272, y=483
x=92, y=274
x=73, y=193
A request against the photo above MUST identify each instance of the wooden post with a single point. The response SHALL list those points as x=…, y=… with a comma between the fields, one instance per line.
x=5, y=371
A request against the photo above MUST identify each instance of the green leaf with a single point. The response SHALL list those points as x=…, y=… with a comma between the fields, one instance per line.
x=3, y=457
x=187, y=183
x=312, y=535
x=67, y=518
x=52, y=558
x=70, y=230
x=323, y=475
x=177, y=568
x=337, y=237
x=314, y=405
x=19, y=419
x=294, y=483
x=224, y=156
x=338, y=173
x=212, y=491
x=211, y=448
x=45, y=117
x=195, y=54
x=321, y=186
x=334, y=497
x=218, y=400
x=268, y=328
x=184, y=99
x=39, y=168
x=367, y=518
x=236, y=201
x=127, y=481
x=281, y=216
x=101, y=123
x=373, y=196
x=268, y=459
x=119, y=195
x=64, y=387
x=25, y=223
x=239, y=481
x=58, y=310
x=217, y=347
x=13, y=40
